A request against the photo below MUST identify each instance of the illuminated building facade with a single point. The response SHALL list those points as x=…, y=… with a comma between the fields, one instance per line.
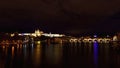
x=39, y=33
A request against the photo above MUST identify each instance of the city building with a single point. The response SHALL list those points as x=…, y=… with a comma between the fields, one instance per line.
x=39, y=33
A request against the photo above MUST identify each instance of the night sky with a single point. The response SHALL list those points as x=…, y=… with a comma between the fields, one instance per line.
x=60, y=16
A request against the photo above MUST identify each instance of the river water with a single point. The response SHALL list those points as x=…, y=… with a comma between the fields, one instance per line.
x=71, y=55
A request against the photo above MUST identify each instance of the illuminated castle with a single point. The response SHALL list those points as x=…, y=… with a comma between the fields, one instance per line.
x=39, y=33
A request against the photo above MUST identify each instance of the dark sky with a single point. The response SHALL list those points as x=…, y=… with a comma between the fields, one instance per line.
x=60, y=16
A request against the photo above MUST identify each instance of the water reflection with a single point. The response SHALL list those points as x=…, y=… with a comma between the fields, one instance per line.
x=53, y=54
x=75, y=55
x=96, y=54
x=37, y=55
x=13, y=52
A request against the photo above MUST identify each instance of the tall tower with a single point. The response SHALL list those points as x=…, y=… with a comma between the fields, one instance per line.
x=38, y=32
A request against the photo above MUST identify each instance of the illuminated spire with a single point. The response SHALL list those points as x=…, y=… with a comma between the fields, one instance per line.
x=38, y=32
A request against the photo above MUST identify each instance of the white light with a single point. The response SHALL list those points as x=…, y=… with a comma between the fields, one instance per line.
x=12, y=35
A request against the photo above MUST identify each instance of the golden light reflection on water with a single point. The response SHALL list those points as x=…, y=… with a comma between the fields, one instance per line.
x=53, y=54
x=57, y=54
x=13, y=51
x=3, y=47
x=37, y=55
x=18, y=45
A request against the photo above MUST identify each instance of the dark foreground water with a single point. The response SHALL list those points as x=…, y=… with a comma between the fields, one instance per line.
x=60, y=56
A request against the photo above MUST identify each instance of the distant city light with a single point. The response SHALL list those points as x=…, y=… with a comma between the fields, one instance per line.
x=12, y=35
x=95, y=36
x=108, y=36
x=115, y=38
x=38, y=42
x=87, y=39
x=41, y=33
